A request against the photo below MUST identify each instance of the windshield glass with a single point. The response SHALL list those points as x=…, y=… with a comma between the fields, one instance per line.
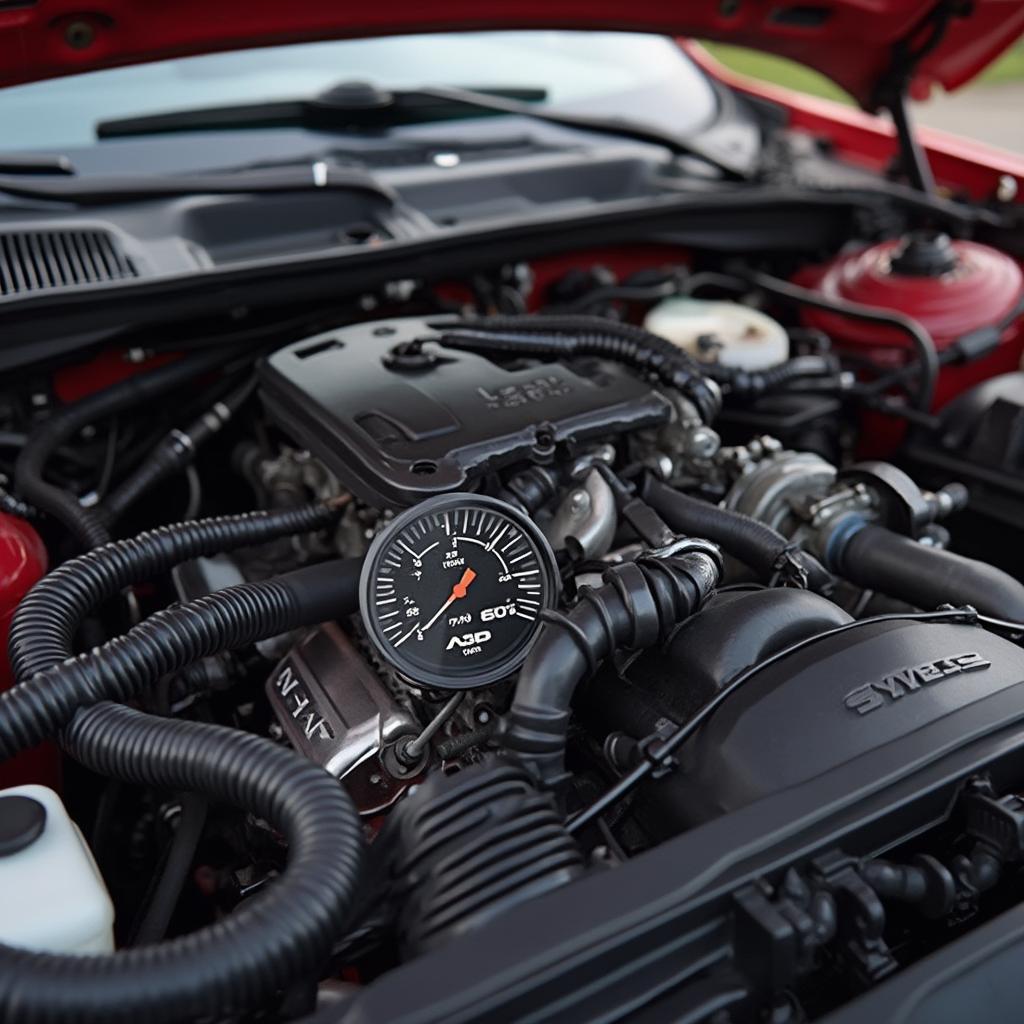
x=598, y=72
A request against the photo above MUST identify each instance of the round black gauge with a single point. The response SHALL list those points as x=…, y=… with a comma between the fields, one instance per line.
x=452, y=590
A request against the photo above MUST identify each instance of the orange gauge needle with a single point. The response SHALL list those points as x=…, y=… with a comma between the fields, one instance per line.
x=460, y=588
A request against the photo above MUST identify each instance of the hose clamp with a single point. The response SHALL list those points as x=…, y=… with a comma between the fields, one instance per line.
x=690, y=545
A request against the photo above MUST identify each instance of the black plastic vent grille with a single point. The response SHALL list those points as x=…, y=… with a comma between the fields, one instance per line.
x=35, y=261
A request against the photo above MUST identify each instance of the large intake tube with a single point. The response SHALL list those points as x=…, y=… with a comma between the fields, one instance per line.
x=241, y=962
x=639, y=605
x=875, y=558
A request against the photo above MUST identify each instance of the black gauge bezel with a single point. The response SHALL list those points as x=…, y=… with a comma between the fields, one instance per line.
x=441, y=503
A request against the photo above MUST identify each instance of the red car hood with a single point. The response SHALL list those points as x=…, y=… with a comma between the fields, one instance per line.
x=851, y=41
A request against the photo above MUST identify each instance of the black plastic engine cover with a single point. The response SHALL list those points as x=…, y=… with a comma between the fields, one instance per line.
x=834, y=700
x=397, y=430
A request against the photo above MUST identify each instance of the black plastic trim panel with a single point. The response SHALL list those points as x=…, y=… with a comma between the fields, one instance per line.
x=617, y=942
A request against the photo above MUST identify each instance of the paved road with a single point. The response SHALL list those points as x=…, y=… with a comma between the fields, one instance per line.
x=989, y=113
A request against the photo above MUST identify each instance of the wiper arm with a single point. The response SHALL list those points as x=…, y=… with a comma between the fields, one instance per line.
x=362, y=105
x=620, y=127
x=29, y=163
x=102, y=190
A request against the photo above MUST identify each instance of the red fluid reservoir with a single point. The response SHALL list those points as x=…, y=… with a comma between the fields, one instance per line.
x=22, y=563
x=952, y=287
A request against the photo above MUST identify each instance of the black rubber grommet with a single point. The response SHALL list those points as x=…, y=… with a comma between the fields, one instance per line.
x=22, y=821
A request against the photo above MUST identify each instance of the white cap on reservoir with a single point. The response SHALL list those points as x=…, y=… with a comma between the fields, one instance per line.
x=727, y=333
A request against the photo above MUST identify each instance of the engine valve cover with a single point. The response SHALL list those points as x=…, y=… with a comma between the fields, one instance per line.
x=396, y=429
x=919, y=686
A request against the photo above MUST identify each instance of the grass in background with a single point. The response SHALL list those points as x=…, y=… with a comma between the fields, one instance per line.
x=1009, y=67
x=780, y=71
x=777, y=70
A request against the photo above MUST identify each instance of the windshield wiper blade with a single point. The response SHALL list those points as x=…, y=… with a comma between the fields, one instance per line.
x=363, y=105
x=356, y=105
x=103, y=190
x=34, y=163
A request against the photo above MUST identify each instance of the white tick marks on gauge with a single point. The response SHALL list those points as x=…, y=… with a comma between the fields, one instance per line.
x=454, y=593
x=418, y=556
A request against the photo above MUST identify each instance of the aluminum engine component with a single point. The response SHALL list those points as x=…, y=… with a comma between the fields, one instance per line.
x=772, y=488
x=585, y=521
x=336, y=711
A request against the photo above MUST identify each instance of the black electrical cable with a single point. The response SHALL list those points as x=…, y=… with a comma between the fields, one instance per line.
x=924, y=344
x=109, y=458
x=748, y=540
x=967, y=348
x=630, y=290
x=44, y=625
x=174, y=452
x=84, y=524
x=660, y=752
x=243, y=961
x=172, y=639
x=14, y=439
x=927, y=363
x=573, y=335
x=890, y=406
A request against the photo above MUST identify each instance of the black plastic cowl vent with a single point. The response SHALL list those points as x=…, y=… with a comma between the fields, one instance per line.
x=36, y=261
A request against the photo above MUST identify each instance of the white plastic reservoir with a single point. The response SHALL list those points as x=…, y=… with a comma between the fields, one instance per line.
x=728, y=333
x=52, y=897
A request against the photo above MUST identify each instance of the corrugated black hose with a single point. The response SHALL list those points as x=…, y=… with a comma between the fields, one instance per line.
x=171, y=639
x=640, y=604
x=242, y=961
x=752, y=384
x=570, y=336
x=44, y=626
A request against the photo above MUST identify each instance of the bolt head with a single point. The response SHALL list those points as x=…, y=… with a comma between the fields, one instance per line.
x=702, y=443
x=79, y=35
x=579, y=502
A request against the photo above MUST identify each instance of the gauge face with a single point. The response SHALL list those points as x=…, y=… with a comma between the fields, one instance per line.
x=452, y=590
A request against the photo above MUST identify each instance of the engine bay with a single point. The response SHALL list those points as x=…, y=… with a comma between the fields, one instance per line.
x=640, y=624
